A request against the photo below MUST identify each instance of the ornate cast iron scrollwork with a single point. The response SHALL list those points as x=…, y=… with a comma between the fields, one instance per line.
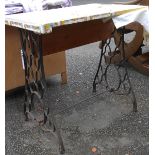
x=35, y=85
x=107, y=58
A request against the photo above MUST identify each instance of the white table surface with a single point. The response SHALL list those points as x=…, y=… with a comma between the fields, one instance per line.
x=43, y=21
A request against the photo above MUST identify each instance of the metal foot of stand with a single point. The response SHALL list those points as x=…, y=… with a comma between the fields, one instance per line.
x=35, y=85
x=124, y=86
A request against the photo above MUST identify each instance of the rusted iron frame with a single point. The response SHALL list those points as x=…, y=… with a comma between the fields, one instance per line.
x=98, y=79
x=35, y=84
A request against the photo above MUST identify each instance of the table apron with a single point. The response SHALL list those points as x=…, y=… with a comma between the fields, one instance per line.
x=74, y=35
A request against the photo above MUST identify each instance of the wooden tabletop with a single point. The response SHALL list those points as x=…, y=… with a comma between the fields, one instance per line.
x=44, y=21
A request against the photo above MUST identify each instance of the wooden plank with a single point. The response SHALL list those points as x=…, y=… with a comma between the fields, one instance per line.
x=143, y=57
x=144, y=69
x=74, y=35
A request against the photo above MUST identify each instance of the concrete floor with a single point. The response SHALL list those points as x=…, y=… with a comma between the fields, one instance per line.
x=105, y=121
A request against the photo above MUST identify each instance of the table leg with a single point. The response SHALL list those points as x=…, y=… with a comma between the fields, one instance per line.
x=124, y=85
x=35, y=84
